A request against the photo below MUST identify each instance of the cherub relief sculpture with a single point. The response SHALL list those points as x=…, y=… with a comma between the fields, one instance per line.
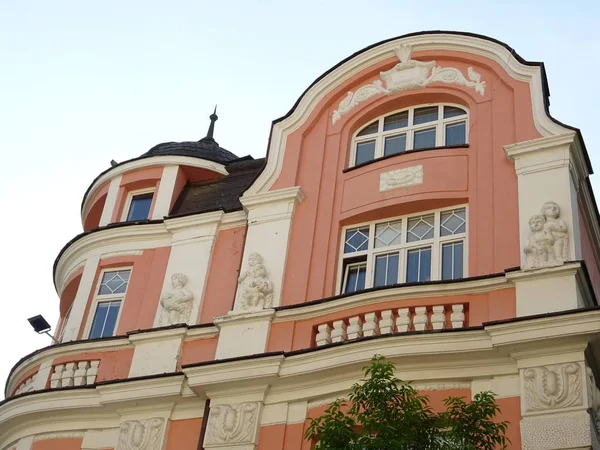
x=255, y=287
x=176, y=304
x=548, y=243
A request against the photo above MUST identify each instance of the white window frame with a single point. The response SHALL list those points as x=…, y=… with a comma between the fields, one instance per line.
x=129, y=199
x=98, y=298
x=439, y=124
x=435, y=243
x=63, y=325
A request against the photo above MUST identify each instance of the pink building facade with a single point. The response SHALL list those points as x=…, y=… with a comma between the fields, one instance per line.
x=417, y=201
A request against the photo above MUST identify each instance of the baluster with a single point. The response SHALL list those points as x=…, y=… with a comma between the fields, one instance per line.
x=403, y=320
x=457, y=318
x=55, y=379
x=355, y=327
x=92, y=372
x=420, y=319
x=79, y=378
x=339, y=331
x=67, y=375
x=324, y=335
x=370, y=327
x=438, y=318
x=386, y=324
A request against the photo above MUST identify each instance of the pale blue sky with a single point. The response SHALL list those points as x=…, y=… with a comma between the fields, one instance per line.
x=84, y=82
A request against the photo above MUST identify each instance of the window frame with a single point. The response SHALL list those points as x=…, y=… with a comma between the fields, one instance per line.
x=63, y=325
x=100, y=298
x=436, y=243
x=129, y=199
x=380, y=136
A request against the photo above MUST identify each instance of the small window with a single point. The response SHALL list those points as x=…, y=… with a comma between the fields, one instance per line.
x=354, y=277
x=418, y=265
x=452, y=260
x=386, y=269
x=105, y=319
x=139, y=208
x=114, y=282
x=417, y=128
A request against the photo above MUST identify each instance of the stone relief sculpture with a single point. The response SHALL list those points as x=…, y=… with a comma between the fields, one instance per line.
x=232, y=424
x=550, y=387
x=548, y=242
x=141, y=434
x=408, y=176
x=408, y=74
x=176, y=304
x=255, y=287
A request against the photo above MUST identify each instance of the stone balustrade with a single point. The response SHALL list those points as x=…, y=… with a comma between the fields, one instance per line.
x=74, y=374
x=27, y=385
x=401, y=320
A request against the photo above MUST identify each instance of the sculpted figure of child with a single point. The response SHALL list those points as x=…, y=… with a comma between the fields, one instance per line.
x=540, y=249
x=176, y=303
x=257, y=289
x=559, y=230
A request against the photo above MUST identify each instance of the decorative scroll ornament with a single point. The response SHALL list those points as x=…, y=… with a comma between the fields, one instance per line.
x=408, y=176
x=550, y=387
x=255, y=287
x=141, y=434
x=176, y=304
x=548, y=242
x=408, y=74
x=232, y=424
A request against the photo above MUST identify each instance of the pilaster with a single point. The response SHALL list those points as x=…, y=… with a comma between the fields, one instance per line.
x=165, y=192
x=76, y=319
x=111, y=200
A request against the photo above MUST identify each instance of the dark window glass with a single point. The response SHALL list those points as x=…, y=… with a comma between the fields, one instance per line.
x=456, y=134
x=452, y=261
x=394, y=121
x=357, y=239
x=394, y=144
x=114, y=282
x=365, y=151
x=423, y=115
x=452, y=111
x=105, y=319
x=355, y=280
x=386, y=269
x=424, y=139
x=418, y=265
x=140, y=207
x=369, y=129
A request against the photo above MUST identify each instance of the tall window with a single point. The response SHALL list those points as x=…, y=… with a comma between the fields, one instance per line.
x=423, y=247
x=138, y=207
x=108, y=300
x=410, y=129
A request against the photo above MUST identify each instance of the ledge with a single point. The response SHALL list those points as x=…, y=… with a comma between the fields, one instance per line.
x=406, y=152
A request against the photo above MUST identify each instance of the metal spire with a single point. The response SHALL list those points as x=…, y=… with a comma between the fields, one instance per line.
x=211, y=127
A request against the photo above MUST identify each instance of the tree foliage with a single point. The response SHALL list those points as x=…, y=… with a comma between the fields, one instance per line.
x=384, y=413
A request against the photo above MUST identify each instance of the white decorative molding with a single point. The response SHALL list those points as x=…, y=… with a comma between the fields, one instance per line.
x=59, y=435
x=548, y=242
x=176, y=304
x=121, y=253
x=141, y=434
x=80, y=373
x=232, y=424
x=408, y=176
x=256, y=290
x=552, y=387
x=26, y=385
x=406, y=75
x=561, y=431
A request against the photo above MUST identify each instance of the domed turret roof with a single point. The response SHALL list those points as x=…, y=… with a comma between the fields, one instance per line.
x=206, y=148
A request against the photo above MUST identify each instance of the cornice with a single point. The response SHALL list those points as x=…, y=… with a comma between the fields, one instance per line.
x=570, y=268
x=244, y=317
x=286, y=195
x=197, y=220
x=543, y=144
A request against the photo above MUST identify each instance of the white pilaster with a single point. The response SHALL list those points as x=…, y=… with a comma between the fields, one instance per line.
x=156, y=352
x=25, y=443
x=165, y=192
x=76, y=318
x=111, y=200
x=100, y=439
x=41, y=378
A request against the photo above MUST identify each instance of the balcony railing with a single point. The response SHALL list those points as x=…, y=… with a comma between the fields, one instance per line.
x=27, y=385
x=402, y=320
x=79, y=373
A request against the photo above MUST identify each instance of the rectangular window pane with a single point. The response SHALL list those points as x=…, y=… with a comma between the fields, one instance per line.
x=388, y=233
x=99, y=319
x=114, y=282
x=418, y=265
x=423, y=115
x=365, y=151
x=420, y=228
x=140, y=207
x=452, y=111
x=386, y=269
x=369, y=129
x=452, y=261
x=357, y=239
x=355, y=278
x=395, y=121
x=453, y=222
x=424, y=139
x=456, y=134
x=111, y=319
x=394, y=144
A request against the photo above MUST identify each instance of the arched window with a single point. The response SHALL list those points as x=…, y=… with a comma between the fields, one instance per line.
x=420, y=127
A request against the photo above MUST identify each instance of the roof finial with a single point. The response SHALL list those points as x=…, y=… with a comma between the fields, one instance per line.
x=211, y=127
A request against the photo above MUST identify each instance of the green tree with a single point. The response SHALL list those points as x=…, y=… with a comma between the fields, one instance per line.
x=384, y=413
